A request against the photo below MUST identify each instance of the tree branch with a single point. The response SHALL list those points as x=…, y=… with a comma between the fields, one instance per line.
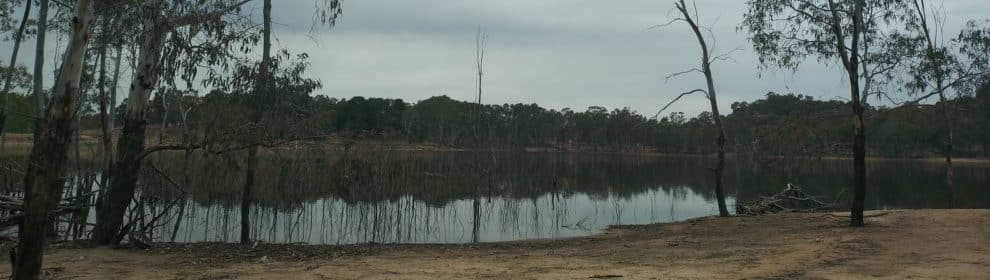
x=674, y=75
x=663, y=25
x=724, y=56
x=678, y=98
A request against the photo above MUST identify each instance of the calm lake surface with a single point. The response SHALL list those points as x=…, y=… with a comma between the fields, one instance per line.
x=324, y=197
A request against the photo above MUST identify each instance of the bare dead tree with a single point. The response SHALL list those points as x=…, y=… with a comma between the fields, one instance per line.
x=479, y=58
x=706, y=68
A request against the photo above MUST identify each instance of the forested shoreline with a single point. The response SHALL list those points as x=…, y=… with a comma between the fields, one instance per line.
x=776, y=125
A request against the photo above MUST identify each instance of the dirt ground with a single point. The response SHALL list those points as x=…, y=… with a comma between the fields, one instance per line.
x=915, y=244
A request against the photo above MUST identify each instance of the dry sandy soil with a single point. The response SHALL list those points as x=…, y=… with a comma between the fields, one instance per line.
x=916, y=244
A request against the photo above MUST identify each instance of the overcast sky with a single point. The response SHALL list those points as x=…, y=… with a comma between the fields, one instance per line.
x=556, y=53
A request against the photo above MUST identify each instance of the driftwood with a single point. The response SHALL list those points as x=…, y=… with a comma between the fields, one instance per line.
x=791, y=199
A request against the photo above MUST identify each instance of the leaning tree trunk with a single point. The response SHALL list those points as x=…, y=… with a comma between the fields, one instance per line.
x=46, y=163
x=53, y=230
x=10, y=77
x=131, y=144
x=262, y=89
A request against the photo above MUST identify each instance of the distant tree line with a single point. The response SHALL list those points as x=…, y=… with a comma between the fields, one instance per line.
x=778, y=124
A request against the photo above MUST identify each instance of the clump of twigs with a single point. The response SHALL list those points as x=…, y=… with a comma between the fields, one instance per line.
x=791, y=199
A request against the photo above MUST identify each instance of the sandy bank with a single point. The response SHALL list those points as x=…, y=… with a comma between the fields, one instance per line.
x=925, y=244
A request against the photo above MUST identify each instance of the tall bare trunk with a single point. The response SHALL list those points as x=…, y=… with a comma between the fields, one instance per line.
x=263, y=90
x=49, y=152
x=706, y=68
x=10, y=76
x=131, y=143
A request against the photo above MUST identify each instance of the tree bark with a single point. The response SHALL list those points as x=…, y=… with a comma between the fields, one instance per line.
x=131, y=143
x=10, y=77
x=49, y=152
x=53, y=230
x=39, y=61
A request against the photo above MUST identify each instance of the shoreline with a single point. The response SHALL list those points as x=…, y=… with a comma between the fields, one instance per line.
x=18, y=142
x=896, y=245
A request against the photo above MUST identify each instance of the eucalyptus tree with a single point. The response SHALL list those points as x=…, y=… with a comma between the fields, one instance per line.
x=940, y=64
x=706, y=69
x=159, y=21
x=49, y=153
x=785, y=33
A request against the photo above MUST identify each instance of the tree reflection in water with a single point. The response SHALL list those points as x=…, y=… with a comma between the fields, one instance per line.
x=332, y=197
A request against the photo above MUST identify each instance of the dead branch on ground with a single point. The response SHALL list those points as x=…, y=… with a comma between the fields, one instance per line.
x=791, y=199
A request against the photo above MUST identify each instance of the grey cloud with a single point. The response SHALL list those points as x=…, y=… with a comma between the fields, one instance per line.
x=557, y=53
